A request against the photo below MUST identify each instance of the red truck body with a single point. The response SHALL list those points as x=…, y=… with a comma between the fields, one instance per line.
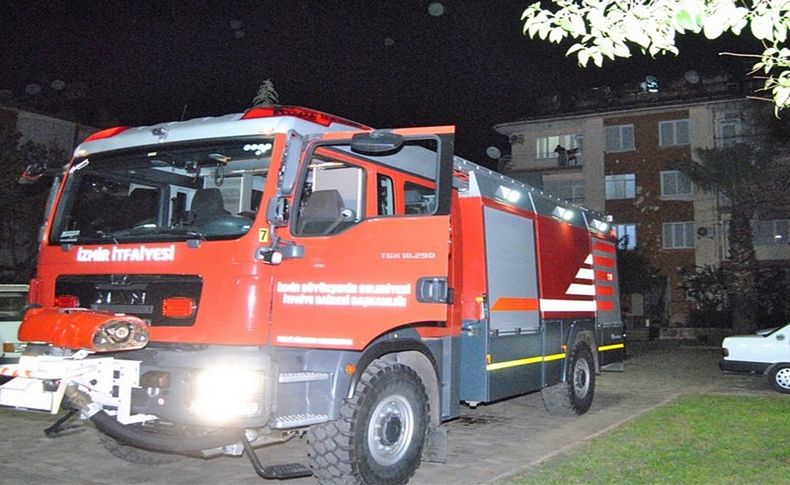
x=267, y=274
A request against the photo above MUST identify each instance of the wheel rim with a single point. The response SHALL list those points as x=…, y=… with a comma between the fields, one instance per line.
x=581, y=378
x=783, y=378
x=390, y=430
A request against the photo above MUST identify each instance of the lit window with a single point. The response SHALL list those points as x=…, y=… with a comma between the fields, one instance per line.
x=626, y=236
x=546, y=147
x=675, y=184
x=673, y=133
x=621, y=186
x=771, y=232
x=678, y=235
x=620, y=138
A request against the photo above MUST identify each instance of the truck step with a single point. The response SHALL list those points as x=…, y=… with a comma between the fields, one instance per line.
x=286, y=471
x=293, y=377
x=299, y=420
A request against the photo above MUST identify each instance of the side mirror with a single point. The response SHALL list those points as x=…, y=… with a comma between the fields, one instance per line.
x=376, y=143
x=33, y=173
x=277, y=212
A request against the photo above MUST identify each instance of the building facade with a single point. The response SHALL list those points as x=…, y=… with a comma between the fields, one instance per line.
x=617, y=156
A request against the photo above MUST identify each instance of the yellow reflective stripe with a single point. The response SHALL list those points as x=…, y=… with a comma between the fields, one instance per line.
x=529, y=360
x=610, y=347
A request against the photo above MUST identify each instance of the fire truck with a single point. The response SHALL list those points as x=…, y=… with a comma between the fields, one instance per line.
x=210, y=286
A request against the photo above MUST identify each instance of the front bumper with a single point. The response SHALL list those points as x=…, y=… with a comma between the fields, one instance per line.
x=39, y=383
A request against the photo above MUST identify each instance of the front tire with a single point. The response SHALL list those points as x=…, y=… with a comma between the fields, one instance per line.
x=379, y=435
x=575, y=395
x=780, y=378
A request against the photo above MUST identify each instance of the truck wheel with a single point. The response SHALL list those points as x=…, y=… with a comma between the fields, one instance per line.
x=780, y=378
x=379, y=435
x=134, y=455
x=575, y=395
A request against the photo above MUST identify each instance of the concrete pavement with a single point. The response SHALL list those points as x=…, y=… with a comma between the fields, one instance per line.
x=486, y=445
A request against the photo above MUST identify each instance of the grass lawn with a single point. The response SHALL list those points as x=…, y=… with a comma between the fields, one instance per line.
x=696, y=439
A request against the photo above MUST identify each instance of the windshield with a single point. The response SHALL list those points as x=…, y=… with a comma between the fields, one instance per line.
x=162, y=193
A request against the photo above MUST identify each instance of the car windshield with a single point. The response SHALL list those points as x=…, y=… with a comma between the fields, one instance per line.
x=163, y=193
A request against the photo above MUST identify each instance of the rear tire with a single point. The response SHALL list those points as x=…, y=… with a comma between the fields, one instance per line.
x=780, y=378
x=575, y=395
x=138, y=456
x=380, y=433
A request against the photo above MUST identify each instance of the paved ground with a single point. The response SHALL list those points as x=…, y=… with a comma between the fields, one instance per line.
x=486, y=445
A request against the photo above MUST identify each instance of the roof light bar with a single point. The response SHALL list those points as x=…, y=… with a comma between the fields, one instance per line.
x=109, y=132
x=313, y=116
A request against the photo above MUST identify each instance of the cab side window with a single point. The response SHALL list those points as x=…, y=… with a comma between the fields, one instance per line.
x=418, y=199
x=332, y=198
x=386, y=195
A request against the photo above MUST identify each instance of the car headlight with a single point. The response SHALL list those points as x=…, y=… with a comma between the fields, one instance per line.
x=221, y=394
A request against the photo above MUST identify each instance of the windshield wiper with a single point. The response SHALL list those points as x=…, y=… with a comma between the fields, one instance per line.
x=151, y=232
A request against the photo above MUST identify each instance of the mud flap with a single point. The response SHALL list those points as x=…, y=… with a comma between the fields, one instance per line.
x=435, y=448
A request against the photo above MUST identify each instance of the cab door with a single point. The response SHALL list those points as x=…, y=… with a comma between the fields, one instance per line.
x=354, y=269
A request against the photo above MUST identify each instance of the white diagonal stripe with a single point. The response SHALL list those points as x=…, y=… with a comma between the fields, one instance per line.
x=585, y=274
x=577, y=289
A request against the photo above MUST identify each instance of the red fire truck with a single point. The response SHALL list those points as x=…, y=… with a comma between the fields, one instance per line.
x=210, y=286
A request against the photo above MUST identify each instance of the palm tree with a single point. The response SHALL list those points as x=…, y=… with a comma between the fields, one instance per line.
x=746, y=176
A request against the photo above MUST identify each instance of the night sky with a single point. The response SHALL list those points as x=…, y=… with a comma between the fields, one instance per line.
x=383, y=63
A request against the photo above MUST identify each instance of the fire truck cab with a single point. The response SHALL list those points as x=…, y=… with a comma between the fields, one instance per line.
x=210, y=286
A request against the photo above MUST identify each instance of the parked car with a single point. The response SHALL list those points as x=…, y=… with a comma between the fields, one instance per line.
x=13, y=299
x=767, y=352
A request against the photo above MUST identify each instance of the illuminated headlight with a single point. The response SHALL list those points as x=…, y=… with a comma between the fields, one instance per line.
x=221, y=394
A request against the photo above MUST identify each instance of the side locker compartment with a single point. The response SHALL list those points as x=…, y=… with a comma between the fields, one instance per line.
x=515, y=343
x=609, y=327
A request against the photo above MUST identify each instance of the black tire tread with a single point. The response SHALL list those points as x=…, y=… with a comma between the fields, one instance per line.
x=772, y=377
x=558, y=399
x=330, y=446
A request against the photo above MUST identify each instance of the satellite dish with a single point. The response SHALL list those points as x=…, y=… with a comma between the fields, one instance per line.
x=33, y=89
x=493, y=152
x=436, y=9
x=691, y=77
x=6, y=94
x=57, y=85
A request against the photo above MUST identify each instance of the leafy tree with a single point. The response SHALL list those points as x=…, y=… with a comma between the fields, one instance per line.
x=21, y=206
x=610, y=28
x=750, y=179
x=267, y=95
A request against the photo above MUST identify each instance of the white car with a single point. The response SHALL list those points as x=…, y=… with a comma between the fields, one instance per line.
x=766, y=352
x=13, y=299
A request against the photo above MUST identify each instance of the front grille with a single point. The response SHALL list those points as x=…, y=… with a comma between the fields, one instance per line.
x=138, y=295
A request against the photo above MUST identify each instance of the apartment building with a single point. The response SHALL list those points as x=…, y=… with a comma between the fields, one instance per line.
x=614, y=152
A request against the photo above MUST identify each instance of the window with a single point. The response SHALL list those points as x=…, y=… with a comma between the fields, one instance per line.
x=419, y=199
x=675, y=184
x=620, y=138
x=626, y=236
x=331, y=200
x=673, y=133
x=569, y=190
x=729, y=130
x=546, y=147
x=621, y=186
x=386, y=196
x=11, y=305
x=678, y=235
x=771, y=232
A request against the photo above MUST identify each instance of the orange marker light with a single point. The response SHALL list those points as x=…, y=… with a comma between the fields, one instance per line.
x=178, y=307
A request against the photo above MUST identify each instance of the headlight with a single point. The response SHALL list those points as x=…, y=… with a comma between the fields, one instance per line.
x=221, y=394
